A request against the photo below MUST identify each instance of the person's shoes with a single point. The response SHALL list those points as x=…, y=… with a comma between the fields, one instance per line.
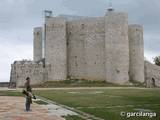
x=30, y=110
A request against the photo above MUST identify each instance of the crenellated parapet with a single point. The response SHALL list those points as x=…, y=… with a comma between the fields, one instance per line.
x=22, y=69
x=90, y=48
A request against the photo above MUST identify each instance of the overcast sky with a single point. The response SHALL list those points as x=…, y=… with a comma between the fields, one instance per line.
x=18, y=17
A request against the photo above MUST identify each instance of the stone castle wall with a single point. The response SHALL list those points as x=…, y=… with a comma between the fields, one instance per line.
x=117, y=48
x=85, y=48
x=56, y=48
x=23, y=69
x=37, y=44
x=97, y=48
x=152, y=75
x=91, y=48
x=136, y=52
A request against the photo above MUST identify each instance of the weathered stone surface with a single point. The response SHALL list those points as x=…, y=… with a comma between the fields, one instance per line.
x=13, y=108
x=152, y=74
x=92, y=48
x=56, y=48
x=37, y=44
x=23, y=69
x=116, y=48
x=136, y=53
x=86, y=48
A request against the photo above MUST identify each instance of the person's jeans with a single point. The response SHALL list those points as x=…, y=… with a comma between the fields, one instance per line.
x=27, y=104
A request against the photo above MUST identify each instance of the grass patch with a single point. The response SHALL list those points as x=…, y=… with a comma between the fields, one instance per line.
x=78, y=83
x=108, y=103
x=10, y=93
x=73, y=117
x=40, y=102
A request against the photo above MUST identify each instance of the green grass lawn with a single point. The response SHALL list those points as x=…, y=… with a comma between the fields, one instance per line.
x=104, y=103
x=108, y=103
x=73, y=118
x=81, y=83
x=11, y=93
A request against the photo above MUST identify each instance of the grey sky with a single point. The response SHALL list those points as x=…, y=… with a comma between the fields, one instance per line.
x=18, y=17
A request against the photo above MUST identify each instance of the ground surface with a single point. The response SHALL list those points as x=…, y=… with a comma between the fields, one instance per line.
x=12, y=108
x=108, y=103
x=103, y=102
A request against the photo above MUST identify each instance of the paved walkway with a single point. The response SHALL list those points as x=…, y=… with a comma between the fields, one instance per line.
x=12, y=108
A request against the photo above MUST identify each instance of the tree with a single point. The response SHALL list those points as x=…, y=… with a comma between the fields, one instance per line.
x=157, y=60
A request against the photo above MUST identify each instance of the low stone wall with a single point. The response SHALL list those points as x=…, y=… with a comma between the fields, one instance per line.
x=152, y=75
x=4, y=84
x=22, y=69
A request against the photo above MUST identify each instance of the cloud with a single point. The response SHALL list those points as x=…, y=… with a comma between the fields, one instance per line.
x=149, y=56
x=10, y=52
x=141, y=12
x=152, y=42
x=86, y=7
x=19, y=17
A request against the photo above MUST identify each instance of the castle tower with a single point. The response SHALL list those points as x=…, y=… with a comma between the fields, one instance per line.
x=37, y=44
x=136, y=53
x=55, y=48
x=116, y=47
x=86, y=48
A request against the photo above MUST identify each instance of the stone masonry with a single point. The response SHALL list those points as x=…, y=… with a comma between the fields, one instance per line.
x=116, y=48
x=90, y=48
x=37, y=43
x=152, y=75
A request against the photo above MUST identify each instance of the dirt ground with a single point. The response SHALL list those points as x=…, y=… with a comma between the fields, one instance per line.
x=13, y=108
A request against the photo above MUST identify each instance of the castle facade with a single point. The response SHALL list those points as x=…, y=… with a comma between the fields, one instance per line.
x=90, y=48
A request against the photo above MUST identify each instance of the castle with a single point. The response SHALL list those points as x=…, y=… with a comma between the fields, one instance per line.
x=90, y=48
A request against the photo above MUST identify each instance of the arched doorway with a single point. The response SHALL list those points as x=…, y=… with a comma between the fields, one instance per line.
x=153, y=82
